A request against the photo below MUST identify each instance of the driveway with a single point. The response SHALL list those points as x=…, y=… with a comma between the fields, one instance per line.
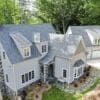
x=94, y=63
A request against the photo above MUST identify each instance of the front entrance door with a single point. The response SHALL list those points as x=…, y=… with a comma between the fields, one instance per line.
x=51, y=70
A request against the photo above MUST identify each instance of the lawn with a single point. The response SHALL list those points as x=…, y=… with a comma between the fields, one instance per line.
x=56, y=94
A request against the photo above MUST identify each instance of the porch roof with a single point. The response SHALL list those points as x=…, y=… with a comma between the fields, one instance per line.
x=49, y=57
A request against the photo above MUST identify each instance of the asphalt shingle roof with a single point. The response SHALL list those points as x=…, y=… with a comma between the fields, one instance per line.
x=82, y=30
x=27, y=31
x=62, y=46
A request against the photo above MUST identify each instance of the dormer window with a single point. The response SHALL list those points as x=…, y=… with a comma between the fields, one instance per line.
x=44, y=48
x=26, y=52
x=22, y=43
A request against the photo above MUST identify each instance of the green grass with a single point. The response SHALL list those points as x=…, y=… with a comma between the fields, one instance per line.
x=56, y=94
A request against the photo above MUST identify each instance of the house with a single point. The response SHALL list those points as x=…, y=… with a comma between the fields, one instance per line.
x=33, y=52
x=91, y=37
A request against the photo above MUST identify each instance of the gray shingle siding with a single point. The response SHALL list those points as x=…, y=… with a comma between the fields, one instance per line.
x=27, y=30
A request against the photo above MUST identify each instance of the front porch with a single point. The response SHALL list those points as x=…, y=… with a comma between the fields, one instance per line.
x=47, y=72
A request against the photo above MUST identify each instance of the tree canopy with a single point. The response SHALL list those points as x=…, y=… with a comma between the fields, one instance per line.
x=62, y=13
x=9, y=12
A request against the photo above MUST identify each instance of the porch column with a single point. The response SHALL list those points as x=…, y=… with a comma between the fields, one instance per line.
x=45, y=73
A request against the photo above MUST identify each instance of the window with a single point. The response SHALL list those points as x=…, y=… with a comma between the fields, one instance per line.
x=4, y=55
x=79, y=71
x=75, y=74
x=26, y=77
x=42, y=69
x=64, y=73
x=7, y=78
x=98, y=41
x=43, y=48
x=26, y=52
x=23, y=79
x=32, y=74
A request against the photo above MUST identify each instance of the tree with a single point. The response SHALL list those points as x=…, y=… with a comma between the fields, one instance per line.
x=9, y=12
x=93, y=17
x=62, y=13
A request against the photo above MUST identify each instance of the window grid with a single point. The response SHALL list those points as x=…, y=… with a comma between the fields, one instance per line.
x=26, y=52
x=7, y=78
x=30, y=76
x=27, y=76
x=64, y=73
x=43, y=48
x=23, y=79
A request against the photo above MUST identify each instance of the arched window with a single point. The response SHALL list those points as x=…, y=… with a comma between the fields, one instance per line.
x=78, y=63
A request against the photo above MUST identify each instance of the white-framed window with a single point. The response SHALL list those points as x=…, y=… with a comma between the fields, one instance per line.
x=7, y=80
x=26, y=52
x=27, y=76
x=23, y=78
x=64, y=73
x=44, y=48
x=77, y=72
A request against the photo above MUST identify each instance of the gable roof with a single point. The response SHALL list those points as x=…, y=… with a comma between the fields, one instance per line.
x=61, y=45
x=70, y=44
x=94, y=32
x=55, y=44
x=81, y=30
x=27, y=31
x=80, y=48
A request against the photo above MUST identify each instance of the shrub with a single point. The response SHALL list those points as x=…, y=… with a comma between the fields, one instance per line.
x=75, y=85
x=81, y=81
x=84, y=77
x=87, y=74
x=37, y=96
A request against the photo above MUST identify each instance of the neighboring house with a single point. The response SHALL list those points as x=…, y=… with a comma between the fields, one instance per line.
x=26, y=5
x=91, y=37
x=33, y=52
